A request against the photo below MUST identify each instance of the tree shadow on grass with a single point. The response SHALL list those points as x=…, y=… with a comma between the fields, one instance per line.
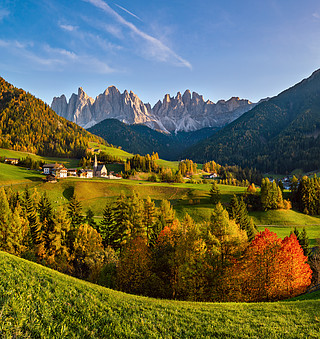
x=68, y=192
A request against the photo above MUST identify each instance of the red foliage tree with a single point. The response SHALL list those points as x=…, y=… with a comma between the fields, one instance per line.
x=271, y=269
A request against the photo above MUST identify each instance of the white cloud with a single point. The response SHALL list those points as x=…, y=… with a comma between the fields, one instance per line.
x=156, y=49
x=45, y=57
x=4, y=13
x=68, y=28
x=316, y=15
x=124, y=9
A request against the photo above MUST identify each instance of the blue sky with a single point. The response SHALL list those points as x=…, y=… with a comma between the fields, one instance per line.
x=249, y=48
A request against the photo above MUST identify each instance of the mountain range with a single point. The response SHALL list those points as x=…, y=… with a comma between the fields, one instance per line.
x=187, y=112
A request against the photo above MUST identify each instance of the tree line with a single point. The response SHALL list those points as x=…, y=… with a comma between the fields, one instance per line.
x=143, y=249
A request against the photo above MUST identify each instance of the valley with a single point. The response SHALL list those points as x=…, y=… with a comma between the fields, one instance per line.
x=95, y=193
x=159, y=169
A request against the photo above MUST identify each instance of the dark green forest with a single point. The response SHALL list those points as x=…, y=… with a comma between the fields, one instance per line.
x=144, y=140
x=278, y=135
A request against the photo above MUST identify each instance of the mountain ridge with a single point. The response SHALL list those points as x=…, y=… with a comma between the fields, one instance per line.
x=187, y=112
x=278, y=135
x=28, y=124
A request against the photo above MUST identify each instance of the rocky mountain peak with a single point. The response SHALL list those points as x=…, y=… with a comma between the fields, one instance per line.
x=185, y=112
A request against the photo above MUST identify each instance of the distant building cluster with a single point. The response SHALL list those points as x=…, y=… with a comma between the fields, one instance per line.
x=59, y=171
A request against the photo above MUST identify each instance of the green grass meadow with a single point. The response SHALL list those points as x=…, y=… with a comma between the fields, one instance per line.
x=36, y=302
x=70, y=163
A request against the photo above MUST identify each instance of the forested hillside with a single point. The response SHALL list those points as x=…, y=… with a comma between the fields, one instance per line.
x=143, y=140
x=278, y=135
x=28, y=124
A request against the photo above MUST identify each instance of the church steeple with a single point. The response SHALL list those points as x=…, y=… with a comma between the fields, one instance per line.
x=95, y=166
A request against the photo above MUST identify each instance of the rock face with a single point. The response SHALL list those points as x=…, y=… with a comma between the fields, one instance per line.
x=187, y=112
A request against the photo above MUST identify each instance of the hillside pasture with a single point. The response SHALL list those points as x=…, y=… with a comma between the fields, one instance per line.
x=69, y=163
x=37, y=302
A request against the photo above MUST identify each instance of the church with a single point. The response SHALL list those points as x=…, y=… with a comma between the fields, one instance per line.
x=99, y=170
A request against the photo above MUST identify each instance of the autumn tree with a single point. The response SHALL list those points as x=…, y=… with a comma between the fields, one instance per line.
x=88, y=253
x=134, y=267
x=272, y=269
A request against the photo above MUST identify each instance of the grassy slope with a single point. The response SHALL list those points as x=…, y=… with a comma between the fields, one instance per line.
x=124, y=155
x=10, y=174
x=36, y=302
x=289, y=219
x=17, y=154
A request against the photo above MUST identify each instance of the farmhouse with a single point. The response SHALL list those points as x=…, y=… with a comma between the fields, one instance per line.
x=210, y=176
x=57, y=170
x=11, y=161
x=72, y=172
x=86, y=173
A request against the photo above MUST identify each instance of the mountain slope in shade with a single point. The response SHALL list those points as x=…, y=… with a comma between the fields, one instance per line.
x=187, y=112
x=28, y=124
x=278, y=135
x=144, y=140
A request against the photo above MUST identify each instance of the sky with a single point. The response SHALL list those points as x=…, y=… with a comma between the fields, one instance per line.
x=250, y=49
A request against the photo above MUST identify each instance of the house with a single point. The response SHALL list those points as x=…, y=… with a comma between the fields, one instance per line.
x=58, y=170
x=210, y=176
x=85, y=173
x=11, y=161
x=99, y=170
x=72, y=172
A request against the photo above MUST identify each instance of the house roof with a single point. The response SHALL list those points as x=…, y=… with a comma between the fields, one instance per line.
x=100, y=167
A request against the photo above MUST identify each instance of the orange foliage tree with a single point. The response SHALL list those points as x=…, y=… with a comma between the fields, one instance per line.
x=271, y=269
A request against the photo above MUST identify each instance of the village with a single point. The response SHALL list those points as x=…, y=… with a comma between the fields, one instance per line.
x=59, y=171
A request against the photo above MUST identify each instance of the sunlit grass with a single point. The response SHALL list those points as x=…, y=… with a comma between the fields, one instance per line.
x=36, y=302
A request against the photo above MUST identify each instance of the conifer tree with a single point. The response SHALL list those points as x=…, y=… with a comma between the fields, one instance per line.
x=303, y=240
x=149, y=216
x=11, y=227
x=214, y=193
x=89, y=218
x=234, y=207
x=123, y=226
x=107, y=227
x=34, y=224
x=136, y=212
x=166, y=213
x=75, y=212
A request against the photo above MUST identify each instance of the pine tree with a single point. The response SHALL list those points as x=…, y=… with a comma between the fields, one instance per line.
x=11, y=227
x=214, y=193
x=305, y=242
x=166, y=213
x=149, y=216
x=89, y=218
x=234, y=207
x=75, y=212
x=123, y=226
x=107, y=227
x=34, y=224
x=136, y=212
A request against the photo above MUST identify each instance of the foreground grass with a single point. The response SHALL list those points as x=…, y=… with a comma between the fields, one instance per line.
x=36, y=302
